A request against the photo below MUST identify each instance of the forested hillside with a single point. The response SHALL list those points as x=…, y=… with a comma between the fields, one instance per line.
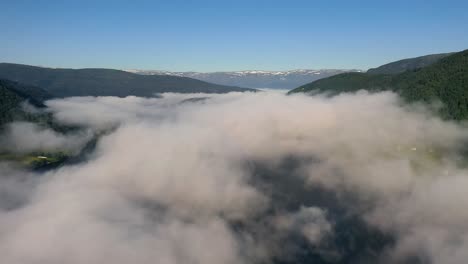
x=13, y=94
x=445, y=81
x=408, y=64
x=106, y=82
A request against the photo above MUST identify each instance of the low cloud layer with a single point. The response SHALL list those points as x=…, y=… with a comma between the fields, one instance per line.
x=24, y=137
x=240, y=178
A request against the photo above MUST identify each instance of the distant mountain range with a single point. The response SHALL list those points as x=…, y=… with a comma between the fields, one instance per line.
x=254, y=79
x=106, y=82
x=442, y=77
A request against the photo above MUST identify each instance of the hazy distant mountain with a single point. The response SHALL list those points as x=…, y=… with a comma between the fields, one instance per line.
x=254, y=79
x=106, y=82
x=408, y=64
x=445, y=80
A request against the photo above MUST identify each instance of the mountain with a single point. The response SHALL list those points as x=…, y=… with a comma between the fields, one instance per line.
x=13, y=94
x=106, y=82
x=408, y=64
x=445, y=80
x=254, y=79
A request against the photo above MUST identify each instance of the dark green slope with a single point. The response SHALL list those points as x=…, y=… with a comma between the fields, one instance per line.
x=12, y=94
x=106, y=82
x=445, y=80
x=9, y=102
x=12, y=97
x=35, y=95
x=408, y=64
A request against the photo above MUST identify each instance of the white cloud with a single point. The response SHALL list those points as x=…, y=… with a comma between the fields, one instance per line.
x=175, y=181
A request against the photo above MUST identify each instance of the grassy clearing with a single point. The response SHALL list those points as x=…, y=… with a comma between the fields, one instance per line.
x=35, y=160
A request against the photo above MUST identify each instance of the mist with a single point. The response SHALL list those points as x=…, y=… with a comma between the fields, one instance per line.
x=22, y=137
x=239, y=178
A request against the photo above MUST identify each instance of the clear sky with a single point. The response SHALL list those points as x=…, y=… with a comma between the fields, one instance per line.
x=228, y=35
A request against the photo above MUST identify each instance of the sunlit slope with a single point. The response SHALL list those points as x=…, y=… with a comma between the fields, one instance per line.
x=445, y=81
x=408, y=64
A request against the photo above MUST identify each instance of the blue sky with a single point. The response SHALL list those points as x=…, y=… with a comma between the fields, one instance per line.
x=228, y=35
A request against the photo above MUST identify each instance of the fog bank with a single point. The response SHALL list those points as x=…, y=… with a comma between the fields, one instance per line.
x=240, y=178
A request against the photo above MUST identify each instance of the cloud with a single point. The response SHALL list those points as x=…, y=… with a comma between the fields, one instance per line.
x=23, y=137
x=241, y=178
x=310, y=222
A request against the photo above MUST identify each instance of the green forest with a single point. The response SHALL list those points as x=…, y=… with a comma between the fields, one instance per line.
x=445, y=80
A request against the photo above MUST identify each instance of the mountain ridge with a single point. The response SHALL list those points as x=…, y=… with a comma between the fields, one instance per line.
x=403, y=65
x=61, y=82
x=253, y=78
x=445, y=80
